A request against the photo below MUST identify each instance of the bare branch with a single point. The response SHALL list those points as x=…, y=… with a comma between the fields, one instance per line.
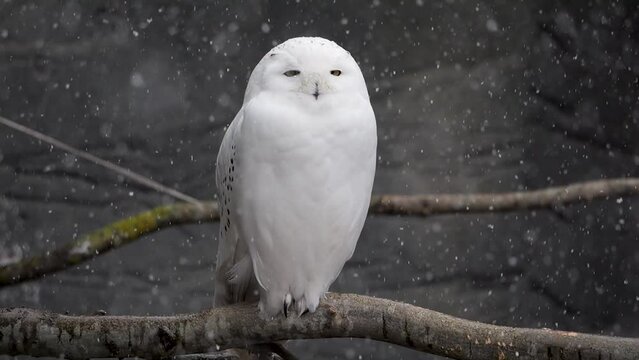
x=36, y=333
x=548, y=198
x=125, y=231
x=143, y=180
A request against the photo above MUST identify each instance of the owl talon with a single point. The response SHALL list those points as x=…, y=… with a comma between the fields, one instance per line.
x=288, y=299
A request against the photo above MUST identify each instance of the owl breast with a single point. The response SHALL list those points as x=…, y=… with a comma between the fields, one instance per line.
x=306, y=171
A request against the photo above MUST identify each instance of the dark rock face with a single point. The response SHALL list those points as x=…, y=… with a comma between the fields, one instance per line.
x=585, y=70
x=584, y=73
x=488, y=96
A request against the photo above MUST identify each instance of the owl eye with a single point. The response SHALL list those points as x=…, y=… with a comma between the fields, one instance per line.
x=336, y=72
x=291, y=73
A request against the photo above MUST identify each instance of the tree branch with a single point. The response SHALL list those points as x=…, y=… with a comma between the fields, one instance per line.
x=130, y=229
x=107, y=238
x=37, y=333
x=548, y=198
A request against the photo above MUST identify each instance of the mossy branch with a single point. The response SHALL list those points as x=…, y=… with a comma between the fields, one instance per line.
x=130, y=229
x=37, y=333
x=107, y=238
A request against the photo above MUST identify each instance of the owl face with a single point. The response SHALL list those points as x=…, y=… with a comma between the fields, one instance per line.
x=310, y=68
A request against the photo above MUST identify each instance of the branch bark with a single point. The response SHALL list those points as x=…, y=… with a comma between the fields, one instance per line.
x=125, y=231
x=37, y=333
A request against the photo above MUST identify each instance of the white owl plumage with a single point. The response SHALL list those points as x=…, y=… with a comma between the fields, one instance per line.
x=294, y=175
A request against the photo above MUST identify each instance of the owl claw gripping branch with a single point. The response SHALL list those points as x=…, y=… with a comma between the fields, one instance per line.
x=294, y=175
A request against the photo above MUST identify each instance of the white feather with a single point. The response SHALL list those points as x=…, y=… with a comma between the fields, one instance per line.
x=299, y=161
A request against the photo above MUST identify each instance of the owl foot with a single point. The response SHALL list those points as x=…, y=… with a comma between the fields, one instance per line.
x=288, y=300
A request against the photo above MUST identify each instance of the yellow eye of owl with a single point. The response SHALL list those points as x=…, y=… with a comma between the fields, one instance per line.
x=292, y=73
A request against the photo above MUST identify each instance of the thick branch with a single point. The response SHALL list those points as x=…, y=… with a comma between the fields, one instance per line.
x=36, y=333
x=132, y=228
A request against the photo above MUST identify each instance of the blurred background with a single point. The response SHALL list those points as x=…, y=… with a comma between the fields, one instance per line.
x=470, y=96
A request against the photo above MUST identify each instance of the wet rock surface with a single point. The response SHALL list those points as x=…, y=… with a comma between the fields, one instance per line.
x=488, y=96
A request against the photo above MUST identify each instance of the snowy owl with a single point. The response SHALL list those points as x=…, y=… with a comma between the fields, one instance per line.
x=294, y=175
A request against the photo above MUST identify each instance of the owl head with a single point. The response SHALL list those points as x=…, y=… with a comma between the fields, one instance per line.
x=309, y=67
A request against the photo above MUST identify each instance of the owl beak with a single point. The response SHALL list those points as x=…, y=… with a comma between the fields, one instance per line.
x=314, y=85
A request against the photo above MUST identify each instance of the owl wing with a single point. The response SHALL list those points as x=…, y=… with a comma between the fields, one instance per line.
x=234, y=279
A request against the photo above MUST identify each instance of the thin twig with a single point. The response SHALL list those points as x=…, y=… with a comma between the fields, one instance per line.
x=37, y=333
x=104, y=163
x=41, y=47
